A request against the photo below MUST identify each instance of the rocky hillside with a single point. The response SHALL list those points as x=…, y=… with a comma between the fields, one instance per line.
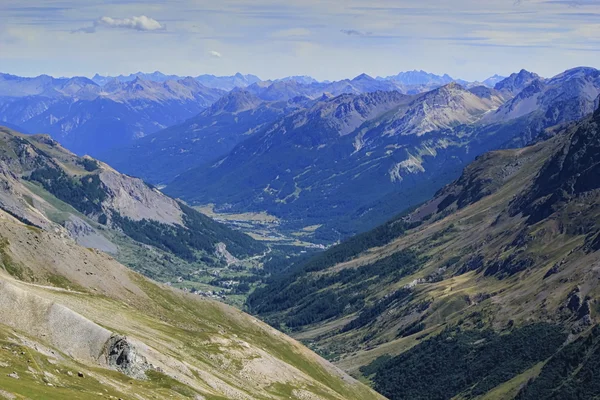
x=88, y=118
x=566, y=97
x=49, y=187
x=160, y=157
x=486, y=291
x=89, y=328
x=341, y=157
x=308, y=168
x=516, y=82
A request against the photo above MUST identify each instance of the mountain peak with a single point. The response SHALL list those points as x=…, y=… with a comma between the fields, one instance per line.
x=448, y=88
x=420, y=77
x=516, y=82
x=363, y=77
x=236, y=101
x=326, y=96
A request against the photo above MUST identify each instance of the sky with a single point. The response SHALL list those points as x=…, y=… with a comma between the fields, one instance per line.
x=326, y=39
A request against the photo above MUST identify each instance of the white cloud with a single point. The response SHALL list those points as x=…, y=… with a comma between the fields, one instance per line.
x=215, y=54
x=141, y=23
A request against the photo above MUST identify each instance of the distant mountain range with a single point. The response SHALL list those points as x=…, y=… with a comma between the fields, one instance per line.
x=340, y=155
x=94, y=116
x=88, y=118
x=408, y=78
x=347, y=161
x=216, y=82
x=161, y=156
x=419, y=78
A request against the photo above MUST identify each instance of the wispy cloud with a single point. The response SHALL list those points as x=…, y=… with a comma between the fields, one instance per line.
x=574, y=3
x=292, y=32
x=329, y=39
x=354, y=32
x=141, y=23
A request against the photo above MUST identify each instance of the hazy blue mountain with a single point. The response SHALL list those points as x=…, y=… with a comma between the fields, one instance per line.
x=88, y=118
x=516, y=82
x=566, y=97
x=339, y=162
x=286, y=89
x=160, y=157
x=15, y=86
x=493, y=80
x=416, y=78
x=343, y=155
x=211, y=81
x=304, y=79
x=155, y=76
x=227, y=82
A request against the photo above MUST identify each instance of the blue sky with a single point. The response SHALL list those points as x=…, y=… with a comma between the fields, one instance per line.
x=328, y=39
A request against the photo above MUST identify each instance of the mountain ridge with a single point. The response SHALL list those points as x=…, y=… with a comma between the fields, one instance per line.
x=507, y=249
x=130, y=337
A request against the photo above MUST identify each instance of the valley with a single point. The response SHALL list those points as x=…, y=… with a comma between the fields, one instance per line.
x=301, y=200
x=499, y=250
x=437, y=242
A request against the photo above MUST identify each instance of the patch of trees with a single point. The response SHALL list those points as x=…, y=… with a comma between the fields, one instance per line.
x=571, y=374
x=370, y=314
x=411, y=329
x=352, y=247
x=238, y=243
x=85, y=194
x=469, y=363
x=199, y=234
x=89, y=164
x=311, y=299
x=172, y=238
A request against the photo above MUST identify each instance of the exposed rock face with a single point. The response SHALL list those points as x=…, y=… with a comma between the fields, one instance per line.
x=123, y=356
x=132, y=198
x=68, y=331
x=87, y=236
x=574, y=301
x=571, y=172
x=14, y=199
x=221, y=251
x=443, y=108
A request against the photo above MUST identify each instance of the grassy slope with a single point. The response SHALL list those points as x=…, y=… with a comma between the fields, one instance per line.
x=156, y=263
x=205, y=347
